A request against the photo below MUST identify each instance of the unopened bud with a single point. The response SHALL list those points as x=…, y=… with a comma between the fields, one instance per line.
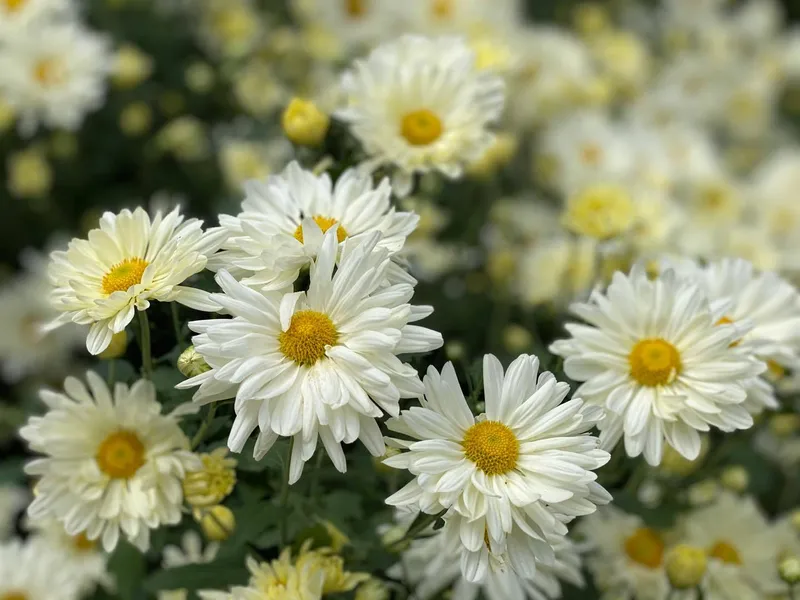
x=191, y=363
x=789, y=570
x=735, y=478
x=685, y=566
x=117, y=347
x=217, y=522
x=305, y=124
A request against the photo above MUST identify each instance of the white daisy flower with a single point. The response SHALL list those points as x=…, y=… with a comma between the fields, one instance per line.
x=129, y=261
x=112, y=462
x=36, y=570
x=56, y=76
x=190, y=552
x=16, y=15
x=357, y=23
x=283, y=219
x=766, y=300
x=511, y=476
x=419, y=105
x=741, y=546
x=24, y=309
x=317, y=363
x=656, y=356
x=432, y=567
x=626, y=558
x=461, y=16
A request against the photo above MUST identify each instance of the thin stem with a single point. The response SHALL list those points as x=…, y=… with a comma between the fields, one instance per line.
x=201, y=432
x=112, y=372
x=176, y=322
x=144, y=344
x=285, y=494
x=314, y=487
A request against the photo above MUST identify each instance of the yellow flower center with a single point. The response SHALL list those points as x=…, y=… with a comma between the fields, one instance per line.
x=726, y=552
x=14, y=595
x=355, y=8
x=308, y=335
x=591, y=154
x=442, y=9
x=492, y=446
x=83, y=544
x=123, y=275
x=654, y=362
x=324, y=223
x=600, y=211
x=13, y=5
x=645, y=547
x=775, y=371
x=48, y=72
x=421, y=127
x=120, y=455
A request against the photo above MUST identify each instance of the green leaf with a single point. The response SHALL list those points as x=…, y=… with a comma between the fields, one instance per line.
x=127, y=565
x=217, y=575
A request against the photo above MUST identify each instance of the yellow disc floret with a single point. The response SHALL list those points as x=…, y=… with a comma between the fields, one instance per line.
x=645, y=547
x=654, y=362
x=121, y=455
x=600, y=211
x=48, y=72
x=726, y=552
x=324, y=223
x=309, y=333
x=13, y=5
x=492, y=446
x=356, y=8
x=421, y=127
x=123, y=275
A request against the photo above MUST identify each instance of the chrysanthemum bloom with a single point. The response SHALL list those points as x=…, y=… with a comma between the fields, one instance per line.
x=54, y=76
x=112, y=464
x=766, y=300
x=284, y=217
x=625, y=557
x=511, y=476
x=741, y=547
x=655, y=355
x=315, y=363
x=16, y=15
x=419, y=105
x=37, y=570
x=129, y=261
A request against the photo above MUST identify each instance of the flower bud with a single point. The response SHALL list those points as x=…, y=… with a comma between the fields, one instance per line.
x=735, y=478
x=191, y=363
x=372, y=589
x=305, y=124
x=789, y=570
x=217, y=522
x=117, y=347
x=131, y=67
x=213, y=482
x=685, y=566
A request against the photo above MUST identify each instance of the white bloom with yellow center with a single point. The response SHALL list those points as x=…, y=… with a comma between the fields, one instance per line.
x=506, y=473
x=655, y=355
x=433, y=567
x=769, y=302
x=625, y=557
x=462, y=17
x=284, y=218
x=17, y=15
x=321, y=363
x=741, y=547
x=129, y=261
x=356, y=23
x=112, y=463
x=36, y=570
x=56, y=76
x=419, y=105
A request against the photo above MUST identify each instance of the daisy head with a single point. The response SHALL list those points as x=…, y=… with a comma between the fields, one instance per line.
x=129, y=261
x=284, y=219
x=56, y=76
x=15, y=15
x=418, y=105
x=461, y=16
x=625, y=556
x=357, y=23
x=320, y=363
x=37, y=570
x=658, y=356
x=112, y=464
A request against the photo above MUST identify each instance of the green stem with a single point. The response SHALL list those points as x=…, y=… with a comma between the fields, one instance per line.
x=637, y=477
x=284, y=529
x=112, y=371
x=144, y=344
x=314, y=487
x=176, y=322
x=420, y=524
x=201, y=432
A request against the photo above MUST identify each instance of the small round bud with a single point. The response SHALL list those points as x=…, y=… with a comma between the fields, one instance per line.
x=685, y=566
x=131, y=67
x=703, y=492
x=516, y=338
x=191, y=363
x=735, y=478
x=217, y=522
x=455, y=350
x=789, y=570
x=673, y=463
x=214, y=482
x=199, y=77
x=135, y=119
x=305, y=124
x=117, y=347
x=29, y=174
